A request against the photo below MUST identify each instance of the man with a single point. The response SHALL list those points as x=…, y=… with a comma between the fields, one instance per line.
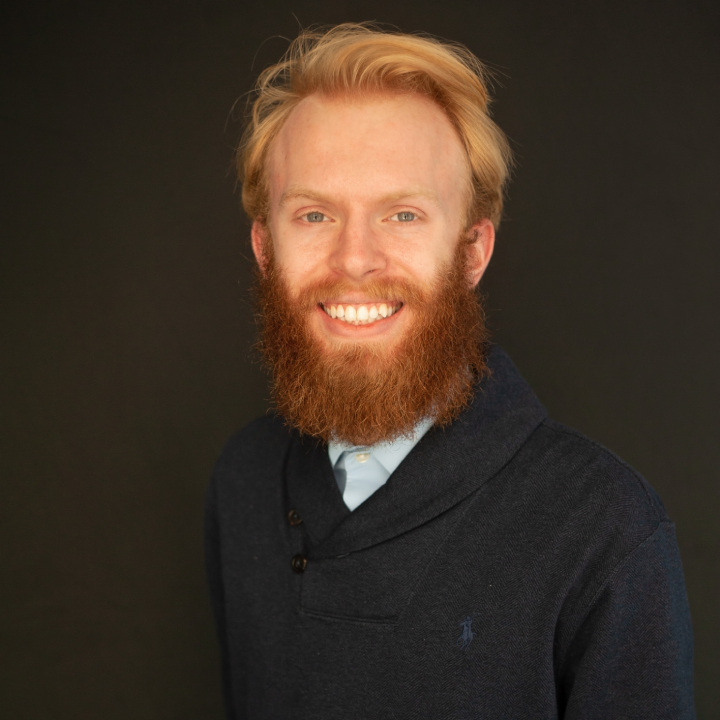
x=410, y=536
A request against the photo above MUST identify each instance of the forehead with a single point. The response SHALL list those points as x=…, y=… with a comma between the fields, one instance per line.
x=369, y=144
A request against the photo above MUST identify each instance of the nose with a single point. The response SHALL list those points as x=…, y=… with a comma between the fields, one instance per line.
x=358, y=251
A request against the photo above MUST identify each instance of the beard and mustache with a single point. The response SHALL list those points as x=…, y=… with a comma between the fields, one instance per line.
x=367, y=392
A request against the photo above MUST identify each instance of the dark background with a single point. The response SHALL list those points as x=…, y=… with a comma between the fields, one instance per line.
x=127, y=329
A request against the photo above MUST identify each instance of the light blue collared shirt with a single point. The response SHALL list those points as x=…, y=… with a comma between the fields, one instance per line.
x=360, y=471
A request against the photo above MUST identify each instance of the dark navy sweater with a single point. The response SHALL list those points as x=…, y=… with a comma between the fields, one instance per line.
x=510, y=568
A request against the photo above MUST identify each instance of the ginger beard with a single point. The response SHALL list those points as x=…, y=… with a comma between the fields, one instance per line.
x=363, y=393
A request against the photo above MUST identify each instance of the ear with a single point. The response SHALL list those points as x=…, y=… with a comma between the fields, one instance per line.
x=479, y=249
x=260, y=237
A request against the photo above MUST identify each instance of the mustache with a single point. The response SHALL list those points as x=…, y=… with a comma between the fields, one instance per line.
x=386, y=290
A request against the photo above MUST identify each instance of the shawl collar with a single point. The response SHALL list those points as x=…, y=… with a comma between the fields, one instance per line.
x=441, y=470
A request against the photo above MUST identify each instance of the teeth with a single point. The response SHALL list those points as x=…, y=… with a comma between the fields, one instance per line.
x=361, y=314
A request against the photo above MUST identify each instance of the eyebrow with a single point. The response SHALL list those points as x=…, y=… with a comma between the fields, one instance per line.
x=297, y=192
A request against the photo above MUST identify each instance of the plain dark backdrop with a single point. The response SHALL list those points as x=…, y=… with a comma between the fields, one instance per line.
x=127, y=331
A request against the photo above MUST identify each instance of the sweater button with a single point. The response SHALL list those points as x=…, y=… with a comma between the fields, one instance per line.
x=298, y=563
x=294, y=518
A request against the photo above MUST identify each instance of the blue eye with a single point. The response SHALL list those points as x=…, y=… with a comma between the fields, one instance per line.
x=405, y=216
x=315, y=217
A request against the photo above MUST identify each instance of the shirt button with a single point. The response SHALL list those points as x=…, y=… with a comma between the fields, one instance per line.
x=362, y=457
x=294, y=518
x=298, y=563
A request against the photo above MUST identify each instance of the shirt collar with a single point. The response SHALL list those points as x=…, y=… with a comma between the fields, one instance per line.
x=388, y=454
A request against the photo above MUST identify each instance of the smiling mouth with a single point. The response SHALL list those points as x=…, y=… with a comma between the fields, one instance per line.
x=354, y=314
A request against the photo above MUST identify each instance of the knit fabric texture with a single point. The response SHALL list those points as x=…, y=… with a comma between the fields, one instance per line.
x=509, y=568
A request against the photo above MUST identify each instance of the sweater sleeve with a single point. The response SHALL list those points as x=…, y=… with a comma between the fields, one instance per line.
x=213, y=567
x=631, y=657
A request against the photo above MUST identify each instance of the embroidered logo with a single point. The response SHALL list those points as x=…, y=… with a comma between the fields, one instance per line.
x=467, y=634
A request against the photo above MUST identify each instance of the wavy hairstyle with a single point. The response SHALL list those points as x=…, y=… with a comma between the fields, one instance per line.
x=358, y=58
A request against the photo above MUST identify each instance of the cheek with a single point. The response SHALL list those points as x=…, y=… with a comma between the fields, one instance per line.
x=298, y=253
x=300, y=273
x=294, y=261
x=425, y=264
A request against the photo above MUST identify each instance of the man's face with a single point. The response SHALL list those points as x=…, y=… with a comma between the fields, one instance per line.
x=366, y=191
x=369, y=319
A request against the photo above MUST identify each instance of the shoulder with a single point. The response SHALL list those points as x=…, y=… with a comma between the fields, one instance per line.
x=589, y=474
x=598, y=514
x=256, y=451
